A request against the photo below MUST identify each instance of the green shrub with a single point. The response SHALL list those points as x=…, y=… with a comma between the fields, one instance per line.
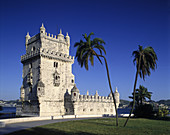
x=162, y=112
x=144, y=111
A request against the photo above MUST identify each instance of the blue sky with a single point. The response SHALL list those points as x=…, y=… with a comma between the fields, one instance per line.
x=122, y=24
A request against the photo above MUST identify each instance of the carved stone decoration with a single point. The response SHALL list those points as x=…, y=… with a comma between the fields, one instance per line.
x=29, y=77
x=56, y=77
x=40, y=89
x=22, y=93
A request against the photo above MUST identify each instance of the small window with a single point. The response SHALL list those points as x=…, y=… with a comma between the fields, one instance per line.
x=72, y=81
x=56, y=77
x=84, y=110
x=30, y=65
x=91, y=110
x=56, y=64
x=33, y=48
x=30, y=89
x=66, y=110
x=74, y=94
x=38, y=89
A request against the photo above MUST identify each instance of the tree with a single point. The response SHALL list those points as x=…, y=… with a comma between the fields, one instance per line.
x=141, y=95
x=87, y=51
x=145, y=60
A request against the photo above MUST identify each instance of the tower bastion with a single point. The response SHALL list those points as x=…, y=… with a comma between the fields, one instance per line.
x=48, y=87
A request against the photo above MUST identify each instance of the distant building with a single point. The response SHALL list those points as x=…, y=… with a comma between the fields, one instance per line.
x=48, y=87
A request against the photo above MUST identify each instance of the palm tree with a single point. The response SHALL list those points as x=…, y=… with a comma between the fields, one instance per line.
x=136, y=99
x=143, y=93
x=145, y=59
x=87, y=51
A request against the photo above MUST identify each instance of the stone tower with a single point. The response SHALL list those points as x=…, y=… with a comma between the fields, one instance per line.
x=47, y=73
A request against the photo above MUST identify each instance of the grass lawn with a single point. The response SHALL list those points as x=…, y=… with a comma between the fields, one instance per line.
x=102, y=126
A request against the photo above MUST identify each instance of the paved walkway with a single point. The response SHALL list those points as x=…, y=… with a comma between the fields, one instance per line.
x=24, y=125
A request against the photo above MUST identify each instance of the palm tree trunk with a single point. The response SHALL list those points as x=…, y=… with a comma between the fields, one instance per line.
x=141, y=101
x=111, y=88
x=134, y=91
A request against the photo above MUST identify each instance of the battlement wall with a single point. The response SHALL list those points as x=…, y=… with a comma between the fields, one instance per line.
x=48, y=36
x=47, y=53
x=33, y=38
x=30, y=55
x=90, y=98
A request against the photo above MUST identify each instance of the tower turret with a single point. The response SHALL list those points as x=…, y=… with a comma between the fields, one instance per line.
x=110, y=95
x=27, y=37
x=42, y=29
x=74, y=93
x=67, y=39
x=60, y=36
x=116, y=94
x=87, y=92
x=96, y=94
x=40, y=88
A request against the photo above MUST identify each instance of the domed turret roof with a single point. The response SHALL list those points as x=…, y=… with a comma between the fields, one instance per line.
x=116, y=91
x=40, y=84
x=74, y=89
x=110, y=95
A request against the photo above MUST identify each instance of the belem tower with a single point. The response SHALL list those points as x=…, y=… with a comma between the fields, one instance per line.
x=48, y=87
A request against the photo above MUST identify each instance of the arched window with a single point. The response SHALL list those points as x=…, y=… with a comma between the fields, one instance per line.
x=30, y=65
x=33, y=48
x=56, y=64
x=74, y=94
x=30, y=89
x=72, y=81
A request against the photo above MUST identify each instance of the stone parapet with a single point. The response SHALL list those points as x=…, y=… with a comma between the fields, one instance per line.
x=33, y=38
x=47, y=36
x=56, y=55
x=90, y=98
x=30, y=55
x=49, y=54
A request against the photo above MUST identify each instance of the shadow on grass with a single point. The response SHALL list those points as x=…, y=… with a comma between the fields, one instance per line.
x=46, y=131
x=160, y=118
x=102, y=123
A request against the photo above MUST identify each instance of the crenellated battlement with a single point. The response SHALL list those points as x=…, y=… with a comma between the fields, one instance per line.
x=56, y=55
x=49, y=37
x=60, y=38
x=47, y=53
x=55, y=38
x=33, y=39
x=30, y=55
x=90, y=98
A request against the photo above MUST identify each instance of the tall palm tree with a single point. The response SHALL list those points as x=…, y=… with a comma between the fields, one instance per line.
x=145, y=59
x=87, y=51
x=136, y=99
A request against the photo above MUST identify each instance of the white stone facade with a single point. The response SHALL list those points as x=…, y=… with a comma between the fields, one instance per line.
x=48, y=87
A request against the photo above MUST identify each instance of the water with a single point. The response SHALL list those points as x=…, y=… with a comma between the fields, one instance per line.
x=12, y=111
x=124, y=110
x=8, y=112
